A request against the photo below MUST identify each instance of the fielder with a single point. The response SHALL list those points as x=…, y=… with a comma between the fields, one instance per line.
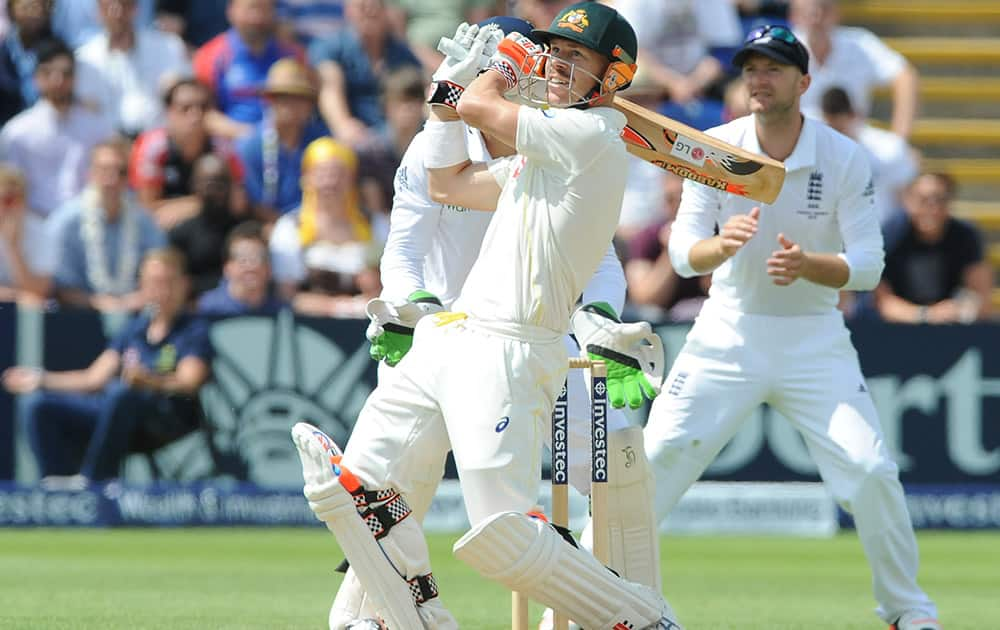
x=490, y=371
x=429, y=252
x=770, y=330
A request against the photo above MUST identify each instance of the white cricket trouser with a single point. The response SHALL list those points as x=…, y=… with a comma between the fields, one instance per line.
x=494, y=395
x=806, y=368
x=425, y=465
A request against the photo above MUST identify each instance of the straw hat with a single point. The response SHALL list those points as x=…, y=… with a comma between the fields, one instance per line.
x=288, y=77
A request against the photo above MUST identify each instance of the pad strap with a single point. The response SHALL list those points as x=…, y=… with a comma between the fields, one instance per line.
x=444, y=93
x=423, y=588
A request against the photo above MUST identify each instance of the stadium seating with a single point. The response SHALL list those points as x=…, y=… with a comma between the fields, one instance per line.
x=955, y=47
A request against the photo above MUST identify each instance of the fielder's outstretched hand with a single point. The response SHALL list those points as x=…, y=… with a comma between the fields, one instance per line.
x=391, y=328
x=632, y=352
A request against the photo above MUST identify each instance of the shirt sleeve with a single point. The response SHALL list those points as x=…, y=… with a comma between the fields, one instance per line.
x=859, y=228
x=286, y=251
x=503, y=168
x=197, y=342
x=608, y=282
x=249, y=155
x=145, y=166
x=567, y=139
x=120, y=342
x=413, y=223
x=886, y=62
x=696, y=219
x=72, y=265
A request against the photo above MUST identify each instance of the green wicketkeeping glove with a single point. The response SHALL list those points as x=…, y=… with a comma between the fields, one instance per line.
x=391, y=328
x=632, y=352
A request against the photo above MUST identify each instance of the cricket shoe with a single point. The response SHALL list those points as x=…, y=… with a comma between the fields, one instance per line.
x=916, y=620
x=365, y=624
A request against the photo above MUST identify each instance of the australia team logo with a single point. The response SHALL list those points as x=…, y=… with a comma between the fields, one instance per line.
x=575, y=20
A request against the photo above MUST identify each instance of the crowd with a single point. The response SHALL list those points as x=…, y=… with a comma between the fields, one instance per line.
x=260, y=139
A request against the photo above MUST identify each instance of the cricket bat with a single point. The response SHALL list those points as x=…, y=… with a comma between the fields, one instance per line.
x=685, y=151
x=693, y=154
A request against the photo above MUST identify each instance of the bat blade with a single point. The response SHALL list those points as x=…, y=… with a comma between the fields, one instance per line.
x=693, y=154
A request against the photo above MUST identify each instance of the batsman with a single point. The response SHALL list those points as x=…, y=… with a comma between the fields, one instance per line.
x=490, y=370
x=428, y=255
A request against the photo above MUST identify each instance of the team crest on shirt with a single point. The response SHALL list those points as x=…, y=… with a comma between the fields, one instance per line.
x=575, y=20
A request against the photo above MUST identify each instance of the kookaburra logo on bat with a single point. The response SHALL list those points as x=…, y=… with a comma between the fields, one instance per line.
x=697, y=153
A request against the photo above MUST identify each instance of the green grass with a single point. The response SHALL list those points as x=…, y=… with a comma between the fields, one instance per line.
x=243, y=578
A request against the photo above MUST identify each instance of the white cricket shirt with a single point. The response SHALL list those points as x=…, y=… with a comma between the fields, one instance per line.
x=432, y=246
x=825, y=205
x=858, y=62
x=557, y=213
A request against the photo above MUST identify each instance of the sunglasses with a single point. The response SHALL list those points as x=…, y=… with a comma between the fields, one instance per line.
x=773, y=32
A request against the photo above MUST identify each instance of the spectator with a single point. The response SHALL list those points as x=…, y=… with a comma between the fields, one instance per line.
x=141, y=391
x=234, y=65
x=894, y=162
x=163, y=159
x=77, y=22
x=272, y=155
x=51, y=141
x=427, y=21
x=351, y=62
x=934, y=266
x=27, y=260
x=195, y=21
x=246, y=285
x=324, y=258
x=306, y=20
x=201, y=238
x=31, y=24
x=540, y=12
x=735, y=100
x=853, y=59
x=653, y=285
x=674, y=42
x=403, y=96
x=101, y=236
x=122, y=70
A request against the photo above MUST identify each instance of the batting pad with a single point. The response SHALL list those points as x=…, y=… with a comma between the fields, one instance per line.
x=527, y=555
x=333, y=505
x=635, y=542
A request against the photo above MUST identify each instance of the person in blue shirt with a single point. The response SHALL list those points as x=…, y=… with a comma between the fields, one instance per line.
x=234, y=65
x=272, y=154
x=30, y=25
x=141, y=392
x=350, y=63
x=246, y=287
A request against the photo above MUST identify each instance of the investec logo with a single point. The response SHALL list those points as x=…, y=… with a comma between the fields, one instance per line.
x=560, y=453
x=270, y=374
x=599, y=429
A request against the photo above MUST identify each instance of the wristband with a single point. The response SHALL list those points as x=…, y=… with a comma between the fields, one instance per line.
x=506, y=70
x=444, y=93
x=445, y=143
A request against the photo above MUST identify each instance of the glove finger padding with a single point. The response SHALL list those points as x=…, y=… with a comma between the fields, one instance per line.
x=632, y=352
x=390, y=330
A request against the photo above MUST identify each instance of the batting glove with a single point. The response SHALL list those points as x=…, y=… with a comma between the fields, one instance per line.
x=514, y=58
x=455, y=74
x=390, y=330
x=633, y=353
